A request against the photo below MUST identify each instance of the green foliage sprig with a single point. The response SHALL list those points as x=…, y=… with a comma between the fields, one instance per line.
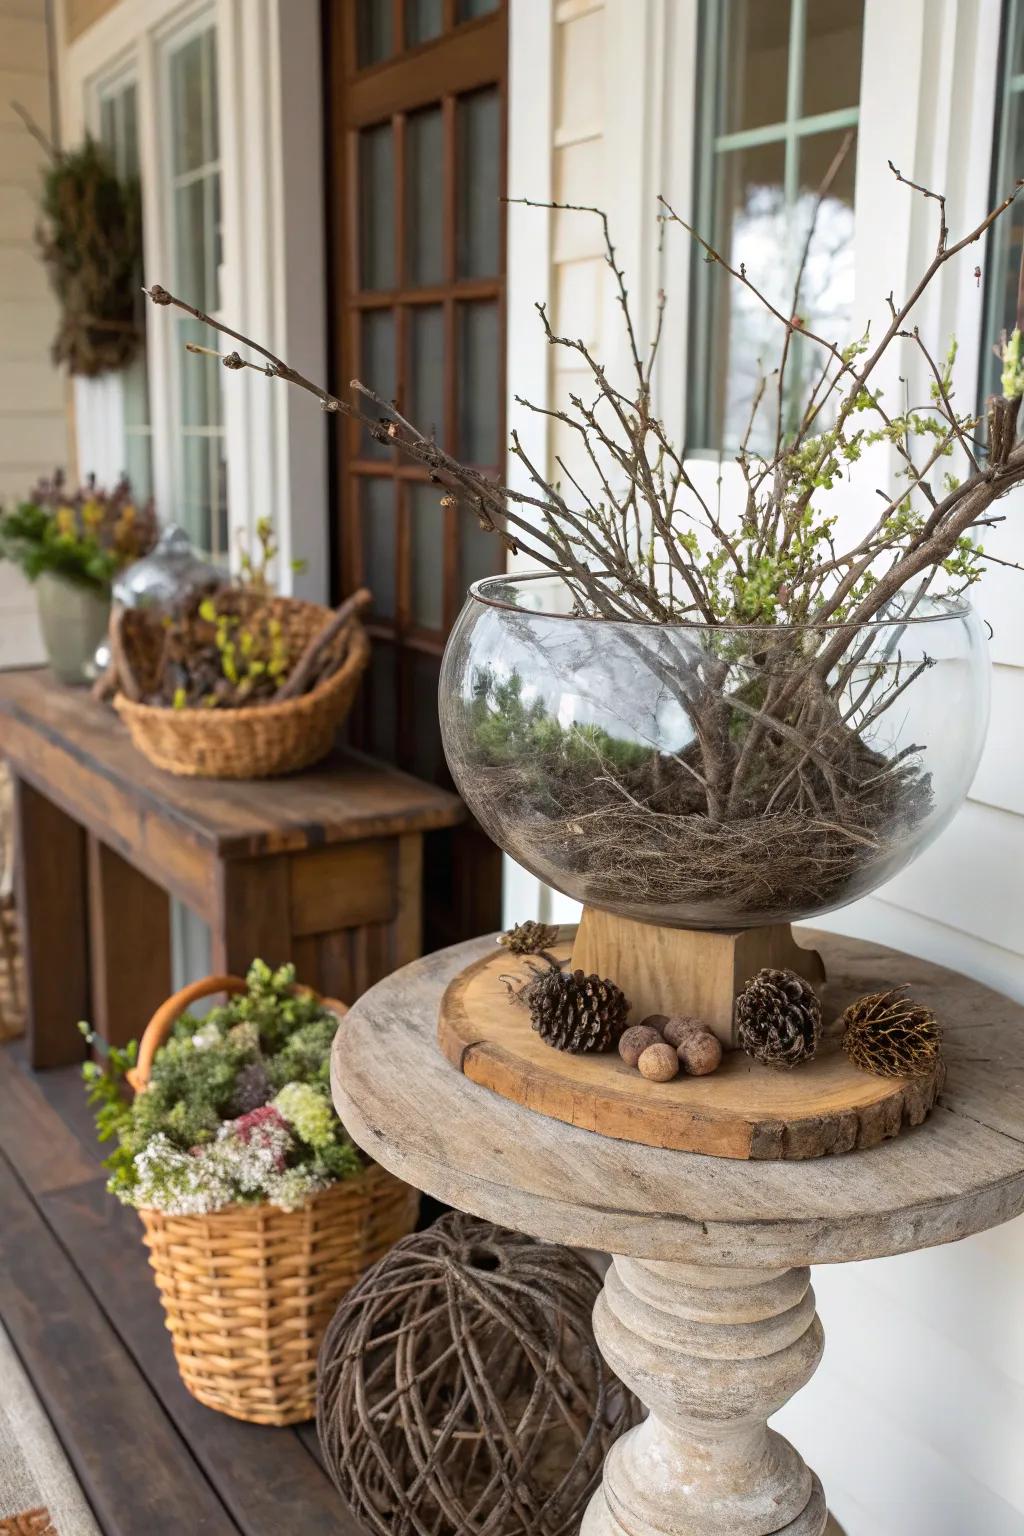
x=86, y=536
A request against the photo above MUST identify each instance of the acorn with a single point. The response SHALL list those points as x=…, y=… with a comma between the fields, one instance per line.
x=679, y=1025
x=659, y=1063
x=700, y=1052
x=635, y=1041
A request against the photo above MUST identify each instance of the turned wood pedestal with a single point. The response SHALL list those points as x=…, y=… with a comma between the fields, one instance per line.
x=707, y=1309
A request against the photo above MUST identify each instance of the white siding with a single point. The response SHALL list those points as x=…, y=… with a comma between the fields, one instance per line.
x=33, y=426
x=915, y=1419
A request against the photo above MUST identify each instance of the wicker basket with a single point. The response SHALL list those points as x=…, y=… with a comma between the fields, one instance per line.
x=265, y=740
x=248, y=1291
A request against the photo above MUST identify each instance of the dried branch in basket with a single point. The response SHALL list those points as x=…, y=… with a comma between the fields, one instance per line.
x=891, y=1035
x=308, y=666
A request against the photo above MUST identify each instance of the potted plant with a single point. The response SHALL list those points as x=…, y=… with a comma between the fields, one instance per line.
x=71, y=546
x=710, y=718
x=258, y=1210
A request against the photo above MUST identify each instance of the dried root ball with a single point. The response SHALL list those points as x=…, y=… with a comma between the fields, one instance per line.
x=891, y=1035
x=700, y=1053
x=659, y=1063
x=679, y=1025
x=635, y=1041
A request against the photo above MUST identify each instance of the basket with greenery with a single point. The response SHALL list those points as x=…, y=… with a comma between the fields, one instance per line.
x=258, y=1210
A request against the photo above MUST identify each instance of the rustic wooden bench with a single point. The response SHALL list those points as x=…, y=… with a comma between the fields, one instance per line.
x=323, y=868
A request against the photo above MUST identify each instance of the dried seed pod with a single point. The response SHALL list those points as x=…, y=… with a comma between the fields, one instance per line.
x=635, y=1041
x=700, y=1053
x=891, y=1035
x=679, y=1025
x=528, y=938
x=659, y=1063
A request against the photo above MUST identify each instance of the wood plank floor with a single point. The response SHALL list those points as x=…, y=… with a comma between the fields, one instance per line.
x=79, y=1303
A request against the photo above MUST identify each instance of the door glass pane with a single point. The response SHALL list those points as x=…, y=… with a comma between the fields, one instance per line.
x=377, y=369
x=377, y=495
x=383, y=738
x=478, y=212
x=753, y=61
x=424, y=19
x=424, y=197
x=377, y=207
x=374, y=36
x=479, y=384
x=426, y=369
x=479, y=552
x=427, y=519
x=467, y=10
x=832, y=52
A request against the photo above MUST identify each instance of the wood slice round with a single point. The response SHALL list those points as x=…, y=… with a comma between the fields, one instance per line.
x=741, y=1111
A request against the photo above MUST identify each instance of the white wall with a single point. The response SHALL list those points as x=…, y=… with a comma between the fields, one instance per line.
x=33, y=430
x=916, y=1418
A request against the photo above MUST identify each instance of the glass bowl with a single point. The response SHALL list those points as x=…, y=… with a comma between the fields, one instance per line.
x=705, y=776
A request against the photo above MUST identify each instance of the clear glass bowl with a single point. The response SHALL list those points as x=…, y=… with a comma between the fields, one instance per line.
x=710, y=776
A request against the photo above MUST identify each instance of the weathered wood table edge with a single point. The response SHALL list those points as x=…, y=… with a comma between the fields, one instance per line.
x=323, y=867
x=707, y=1310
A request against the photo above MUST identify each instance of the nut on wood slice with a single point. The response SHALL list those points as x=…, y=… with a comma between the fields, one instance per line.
x=742, y=1110
x=687, y=970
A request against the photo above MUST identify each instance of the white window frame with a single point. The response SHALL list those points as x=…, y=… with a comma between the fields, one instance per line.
x=269, y=94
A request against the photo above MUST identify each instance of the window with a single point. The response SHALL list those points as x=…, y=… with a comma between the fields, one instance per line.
x=118, y=132
x=785, y=88
x=417, y=176
x=1004, y=251
x=193, y=182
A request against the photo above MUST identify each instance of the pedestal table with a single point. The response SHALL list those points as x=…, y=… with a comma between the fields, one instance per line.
x=707, y=1310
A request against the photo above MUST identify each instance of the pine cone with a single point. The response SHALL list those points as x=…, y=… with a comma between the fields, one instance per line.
x=574, y=1012
x=891, y=1035
x=529, y=938
x=251, y=1091
x=778, y=1019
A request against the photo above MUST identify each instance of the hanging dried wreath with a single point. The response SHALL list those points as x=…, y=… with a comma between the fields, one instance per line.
x=91, y=242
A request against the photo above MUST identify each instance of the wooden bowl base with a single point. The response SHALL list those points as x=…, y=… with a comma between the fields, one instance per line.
x=741, y=1111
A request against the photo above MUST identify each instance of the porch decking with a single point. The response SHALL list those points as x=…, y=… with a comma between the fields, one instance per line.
x=78, y=1301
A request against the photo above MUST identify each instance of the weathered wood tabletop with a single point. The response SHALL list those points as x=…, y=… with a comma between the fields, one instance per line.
x=322, y=867
x=707, y=1310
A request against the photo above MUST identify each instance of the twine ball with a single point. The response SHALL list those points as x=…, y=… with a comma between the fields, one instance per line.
x=460, y=1389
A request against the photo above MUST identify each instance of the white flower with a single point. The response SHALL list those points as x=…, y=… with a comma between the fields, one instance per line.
x=208, y=1035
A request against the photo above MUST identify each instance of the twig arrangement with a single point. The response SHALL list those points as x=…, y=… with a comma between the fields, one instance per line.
x=787, y=689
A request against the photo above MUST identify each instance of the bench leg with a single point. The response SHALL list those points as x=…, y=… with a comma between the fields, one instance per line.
x=129, y=945
x=52, y=911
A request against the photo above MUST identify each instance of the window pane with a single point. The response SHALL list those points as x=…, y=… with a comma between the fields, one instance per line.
x=187, y=104
x=1005, y=248
x=832, y=53
x=108, y=127
x=826, y=292
x=377, y=207
x=130, y=133
x=478, y=212
x=374, y=36
x=424, y=19
x=480, y=553
x=479, y=384
x=192, y=267
x=426, y=369
x=377, y=496
x=424, y=197
x=377, y=369
x=752, y=228
x=197, y=492
x=753, y=61
x=138, y=464
x=467, y=10
x=427, y=519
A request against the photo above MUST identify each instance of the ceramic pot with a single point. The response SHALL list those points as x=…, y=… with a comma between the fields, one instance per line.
x=73, y=618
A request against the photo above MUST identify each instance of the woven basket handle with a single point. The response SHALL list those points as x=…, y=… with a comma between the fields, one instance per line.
x=163, y=1021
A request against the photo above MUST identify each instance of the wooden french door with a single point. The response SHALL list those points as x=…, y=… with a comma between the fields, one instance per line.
x=416, y=128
